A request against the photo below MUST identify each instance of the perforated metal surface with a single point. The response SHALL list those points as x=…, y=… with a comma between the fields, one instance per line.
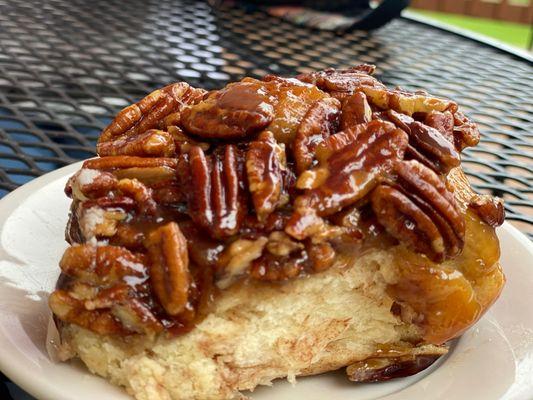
x=66, y=67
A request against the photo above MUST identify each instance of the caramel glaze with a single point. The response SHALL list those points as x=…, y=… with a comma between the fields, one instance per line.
x=443, y=299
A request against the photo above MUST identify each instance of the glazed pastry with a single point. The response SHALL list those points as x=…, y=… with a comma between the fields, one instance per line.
x=272, y=229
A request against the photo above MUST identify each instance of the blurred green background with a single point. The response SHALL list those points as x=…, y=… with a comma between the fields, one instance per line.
x=498, y=26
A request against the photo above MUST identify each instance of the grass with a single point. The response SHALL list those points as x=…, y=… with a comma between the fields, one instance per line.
x=514, y=34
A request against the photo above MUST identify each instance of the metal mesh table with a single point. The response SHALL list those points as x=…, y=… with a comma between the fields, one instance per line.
x=66, y=67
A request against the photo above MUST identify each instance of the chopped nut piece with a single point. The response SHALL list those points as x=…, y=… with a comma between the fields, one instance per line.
x=443, y=122
x=355, y=110
x=240, y=255
x=490, y=209
x=90, y=183
x=465, y=132
x=281, y=244
x=384, y=368
x=321, y=255
x=97, y=222
x=183, y=142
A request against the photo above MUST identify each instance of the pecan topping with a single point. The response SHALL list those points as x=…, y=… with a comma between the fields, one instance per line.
x=351, y=174
x=420, y=211
x=319, y=123
x=431, y=148
x=169, y=267
x=101, y=265
x=216, y=200
x=490, y=209
x=295, y=98
x=264, y=179
x=265, y=163
x=235, y=111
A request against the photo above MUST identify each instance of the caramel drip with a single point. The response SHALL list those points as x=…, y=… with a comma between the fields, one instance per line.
x=445, y=299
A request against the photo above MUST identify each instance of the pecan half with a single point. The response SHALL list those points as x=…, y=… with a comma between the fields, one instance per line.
x=169, y=267
x=490, y=209
x=355, y=110
x=150, y=111
x=406, y=102
x=101, y=265
x=236, y=111
x=146, y=170
x=265, y=163
x=123, y=162
x=432, y=148
x=320, y=122
x=152, y=143
x=351, y=173
x=339, y=141
x=341, y=83
x=353, y=170
x=426, y=144
x=217, y=198
x=420, y=211
x=294, y=99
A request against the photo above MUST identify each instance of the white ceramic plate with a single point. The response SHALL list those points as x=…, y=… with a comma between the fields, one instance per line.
x=493, y=360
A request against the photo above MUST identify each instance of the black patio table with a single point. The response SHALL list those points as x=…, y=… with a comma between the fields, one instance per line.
x=66, y=67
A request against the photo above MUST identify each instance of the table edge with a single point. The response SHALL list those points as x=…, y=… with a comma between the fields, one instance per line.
x=523, y=54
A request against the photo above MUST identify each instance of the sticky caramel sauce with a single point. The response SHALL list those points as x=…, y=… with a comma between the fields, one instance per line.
x=445, y=299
